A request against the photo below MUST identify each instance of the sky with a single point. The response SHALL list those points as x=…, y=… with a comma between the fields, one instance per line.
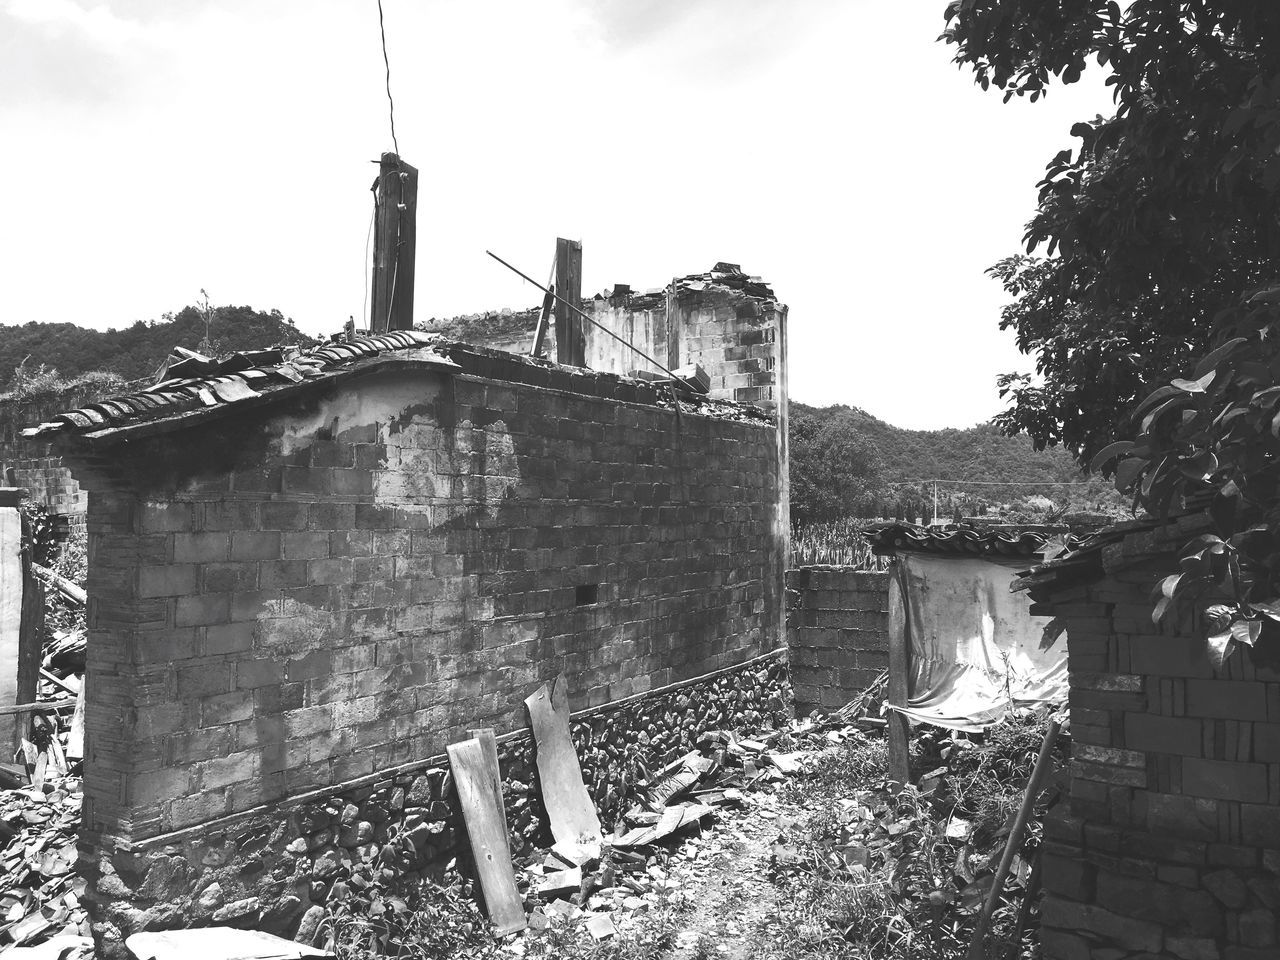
x=154, y=148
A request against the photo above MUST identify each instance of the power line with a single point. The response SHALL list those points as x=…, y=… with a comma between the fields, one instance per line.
x=998, y=483
x=383, y=30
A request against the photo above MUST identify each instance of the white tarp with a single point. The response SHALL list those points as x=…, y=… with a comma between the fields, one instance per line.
x=975, y=647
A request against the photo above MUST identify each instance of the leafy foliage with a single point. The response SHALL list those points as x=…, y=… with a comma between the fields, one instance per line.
x=1162, y=218
x=1214, y=436
x=135, y=352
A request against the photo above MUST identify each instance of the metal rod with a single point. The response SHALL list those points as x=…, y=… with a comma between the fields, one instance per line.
x=977, y=948
x=592, y=321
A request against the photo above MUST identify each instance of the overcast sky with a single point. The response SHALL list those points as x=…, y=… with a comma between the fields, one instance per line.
x=155, y=147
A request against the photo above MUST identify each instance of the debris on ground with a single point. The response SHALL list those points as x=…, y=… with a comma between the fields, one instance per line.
x=40, y=894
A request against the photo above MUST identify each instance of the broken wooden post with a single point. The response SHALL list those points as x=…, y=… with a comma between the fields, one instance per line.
x=30, y=642
x=544, y=315
x=571, y=342
x=12, y=726
x=394, y=245
x=899, y=729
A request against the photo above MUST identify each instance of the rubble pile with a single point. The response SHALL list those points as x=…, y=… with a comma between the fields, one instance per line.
x=40, y=895
x=588, y=885
x=39, y=891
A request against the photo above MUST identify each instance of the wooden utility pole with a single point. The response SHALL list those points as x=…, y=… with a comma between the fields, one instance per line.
x=395, y=234
x=571, y=342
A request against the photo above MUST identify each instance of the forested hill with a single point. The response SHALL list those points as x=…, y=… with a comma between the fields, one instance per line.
x=842, y=455
x=137, y=351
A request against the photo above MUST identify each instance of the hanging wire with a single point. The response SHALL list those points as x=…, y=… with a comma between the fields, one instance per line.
x=383, y=30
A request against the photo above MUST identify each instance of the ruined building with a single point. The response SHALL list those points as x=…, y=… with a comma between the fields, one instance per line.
x=312, y=570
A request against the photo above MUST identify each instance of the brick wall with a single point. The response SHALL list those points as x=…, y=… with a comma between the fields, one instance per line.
x=34, y=465
x=1170, y=846
x=837, y=634
x=288, y=600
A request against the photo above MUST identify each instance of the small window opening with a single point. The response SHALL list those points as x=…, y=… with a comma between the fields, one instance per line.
x=587, y=593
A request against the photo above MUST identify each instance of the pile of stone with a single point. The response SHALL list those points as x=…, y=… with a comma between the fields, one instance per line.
x=586, y=884
x=40, y=894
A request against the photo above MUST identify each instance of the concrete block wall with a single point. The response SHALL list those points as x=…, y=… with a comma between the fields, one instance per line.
x=35, y=466
x=1170, y=845
x=837, y=634
x=739, y=340
x=295, y=598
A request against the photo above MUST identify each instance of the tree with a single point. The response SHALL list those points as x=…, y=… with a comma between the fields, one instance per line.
x=834, y=470
x=1160, y=222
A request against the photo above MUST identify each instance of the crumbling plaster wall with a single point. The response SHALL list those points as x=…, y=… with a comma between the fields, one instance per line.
x=837, y=634
x=1170, y=844
x=304, y=599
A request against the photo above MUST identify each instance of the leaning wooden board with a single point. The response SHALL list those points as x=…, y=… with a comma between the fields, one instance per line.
x=489, y=744
x=569, y=807
x=487, y=828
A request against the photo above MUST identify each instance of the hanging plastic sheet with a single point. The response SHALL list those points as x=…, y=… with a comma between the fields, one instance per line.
x=974, y=646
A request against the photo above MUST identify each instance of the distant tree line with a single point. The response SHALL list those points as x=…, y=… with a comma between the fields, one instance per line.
x=847, y=463
x=136, y=351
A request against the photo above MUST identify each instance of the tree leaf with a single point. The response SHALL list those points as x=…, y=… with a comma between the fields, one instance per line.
x=1246, y=631
x=1109, y=453
x=1195, y=386
x=1218, y=647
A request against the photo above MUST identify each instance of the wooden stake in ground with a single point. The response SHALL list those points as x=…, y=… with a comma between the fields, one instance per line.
x=487, y=829
x=977, y=949
x=899, y=729
x=569, y=808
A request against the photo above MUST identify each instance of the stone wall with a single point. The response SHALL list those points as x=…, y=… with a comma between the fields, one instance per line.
x=837, y=634
x=1170, y=846
x=299, y=597
x=276, y=868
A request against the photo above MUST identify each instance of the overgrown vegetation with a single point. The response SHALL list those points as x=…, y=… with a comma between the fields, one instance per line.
x=878, y=871
x=45, y=383
x=843, y=542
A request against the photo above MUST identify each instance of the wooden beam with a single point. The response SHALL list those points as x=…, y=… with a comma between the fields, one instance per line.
x=899, y=729
x=571, y=344
x=540, y=332
x=394, y=245
x=30, y=641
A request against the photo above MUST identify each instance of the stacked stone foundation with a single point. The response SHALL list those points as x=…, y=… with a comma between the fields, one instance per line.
x=278, y=868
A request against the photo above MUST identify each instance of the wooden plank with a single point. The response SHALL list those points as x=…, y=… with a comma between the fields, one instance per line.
x=899, y=728
x=489, y=745
x=569, y=807
x=394, y=246
x=571, y=344
x=482, y=813
x=75, y=738
x=30, y=643
x=540, y=331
